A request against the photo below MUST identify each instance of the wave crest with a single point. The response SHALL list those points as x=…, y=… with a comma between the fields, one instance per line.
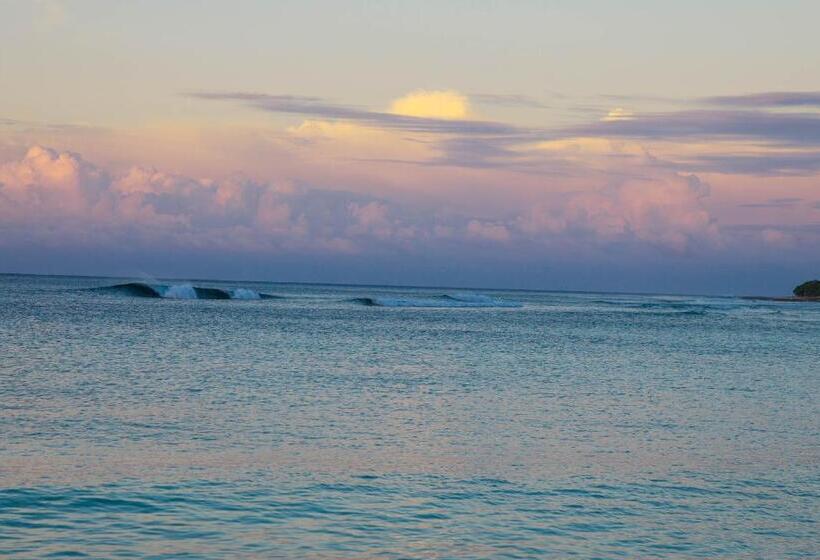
x=457, y=300
x=183, y=291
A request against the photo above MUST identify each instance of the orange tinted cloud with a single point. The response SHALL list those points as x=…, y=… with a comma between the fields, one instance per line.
x=439, y=104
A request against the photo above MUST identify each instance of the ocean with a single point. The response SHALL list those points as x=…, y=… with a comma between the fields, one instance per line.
x=202, y=419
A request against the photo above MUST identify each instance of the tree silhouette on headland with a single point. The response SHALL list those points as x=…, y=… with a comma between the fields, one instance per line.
x=808, y=289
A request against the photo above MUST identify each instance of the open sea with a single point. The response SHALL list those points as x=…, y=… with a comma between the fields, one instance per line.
x=202, y=419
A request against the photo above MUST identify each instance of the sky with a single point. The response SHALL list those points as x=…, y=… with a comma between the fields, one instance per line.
x=617, y=146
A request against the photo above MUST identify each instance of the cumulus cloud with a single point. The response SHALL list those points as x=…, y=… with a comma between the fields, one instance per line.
x=60, y=199
x=370, y=218
x=487, y=230
x=49, y=182
x=667, y=212
x=438, y=104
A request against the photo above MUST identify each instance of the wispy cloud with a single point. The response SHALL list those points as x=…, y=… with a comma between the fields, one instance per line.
x=766, y=163
x=637, y=98
x=320, y=108
x=476, y=143
x=762, y=126
x=768, y=99
x=507, y=100
x=35, y=126
x=783, y=202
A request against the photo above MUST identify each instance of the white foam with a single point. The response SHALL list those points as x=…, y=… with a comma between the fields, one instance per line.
x=244, y=293
x=179, y=291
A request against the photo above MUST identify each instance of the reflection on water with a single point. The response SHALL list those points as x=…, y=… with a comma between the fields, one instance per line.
x=500, y=424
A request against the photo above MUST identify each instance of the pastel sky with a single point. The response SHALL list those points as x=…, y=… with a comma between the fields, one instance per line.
x=624, y=146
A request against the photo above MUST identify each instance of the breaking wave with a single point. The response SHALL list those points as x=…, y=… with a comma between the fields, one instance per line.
x=182, y=291
x=447, y=300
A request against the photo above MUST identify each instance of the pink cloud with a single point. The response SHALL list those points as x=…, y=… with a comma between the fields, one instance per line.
x=47, y=182
x=490, y=231
x=777, y=238
x=61, y=199
x=668, y=212
x=370, y=218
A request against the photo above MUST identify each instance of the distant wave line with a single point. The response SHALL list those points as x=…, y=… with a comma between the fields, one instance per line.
x=183, y=291
x=459, y=300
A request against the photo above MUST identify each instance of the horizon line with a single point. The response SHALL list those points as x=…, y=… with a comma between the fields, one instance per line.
x=369, y=285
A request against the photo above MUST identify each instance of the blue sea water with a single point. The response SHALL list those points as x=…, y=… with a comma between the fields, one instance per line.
x=221, y=420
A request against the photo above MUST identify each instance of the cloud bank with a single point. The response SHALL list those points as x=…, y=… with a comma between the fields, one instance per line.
x=59, y=198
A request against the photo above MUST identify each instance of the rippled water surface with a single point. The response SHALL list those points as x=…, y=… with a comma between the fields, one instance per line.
x=214, y=420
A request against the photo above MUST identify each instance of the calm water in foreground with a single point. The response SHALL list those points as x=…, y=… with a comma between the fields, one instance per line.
x=359, y=422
